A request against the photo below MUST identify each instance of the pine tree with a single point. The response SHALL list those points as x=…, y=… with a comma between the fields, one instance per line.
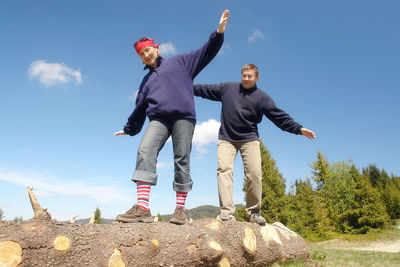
x=241, y=214
x=338, y=190
x=320, y=170
x=1, y=214
x=273, y=187
x=375, y=176
x=300, y=213
x=367, y=209
x=18, y=219
x=396, y=181
x=391, y=198
x=387, y=188
x=97, y=216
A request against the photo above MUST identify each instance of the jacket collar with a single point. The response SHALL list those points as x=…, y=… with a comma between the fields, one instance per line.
x=248, y=91
x=150, y=68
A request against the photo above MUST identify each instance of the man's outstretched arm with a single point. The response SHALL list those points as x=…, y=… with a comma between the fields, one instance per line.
x=208, y=91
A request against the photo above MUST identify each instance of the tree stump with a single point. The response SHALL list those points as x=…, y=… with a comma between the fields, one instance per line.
x=199, y=243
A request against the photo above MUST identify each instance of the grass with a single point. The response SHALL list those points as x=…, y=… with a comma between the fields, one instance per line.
x=336, y=258
x=338, y=252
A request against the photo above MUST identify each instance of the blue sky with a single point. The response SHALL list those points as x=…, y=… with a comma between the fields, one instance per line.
x=69, y=75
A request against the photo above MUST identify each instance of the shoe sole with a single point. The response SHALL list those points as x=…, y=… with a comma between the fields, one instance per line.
x=259, y=223
x=144, y=219
x=225, y=219
x=176, y=221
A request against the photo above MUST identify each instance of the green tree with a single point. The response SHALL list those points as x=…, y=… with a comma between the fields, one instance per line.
x=376, y=177
x=388, y=188
x=1, y=214
x=391, y=198
x=273, y=187
x=18, y=219
x=338, y=190
x=301, y=212
x=320, y=170
x=396, y=181
x=367, y=209
x=395, y=208
x=97, y=216
x=241, y=214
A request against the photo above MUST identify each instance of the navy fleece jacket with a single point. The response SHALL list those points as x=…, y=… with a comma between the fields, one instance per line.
x=243, y=109
x=167, y=90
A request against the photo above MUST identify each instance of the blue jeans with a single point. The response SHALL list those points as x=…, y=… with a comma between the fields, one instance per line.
x=157, y=133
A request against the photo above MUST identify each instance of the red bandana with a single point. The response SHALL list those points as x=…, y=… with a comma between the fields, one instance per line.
x=145, y=42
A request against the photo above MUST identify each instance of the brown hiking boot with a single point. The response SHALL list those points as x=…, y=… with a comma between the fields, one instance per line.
x=179, y=216
x=135, y=214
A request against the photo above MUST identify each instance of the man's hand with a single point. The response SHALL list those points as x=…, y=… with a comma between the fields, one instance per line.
x=308, y=133
x=120, y=133
x=223, y=20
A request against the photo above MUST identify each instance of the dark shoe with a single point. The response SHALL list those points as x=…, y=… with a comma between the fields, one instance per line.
x=135, y=214
x=179, y=216
x=255, y=217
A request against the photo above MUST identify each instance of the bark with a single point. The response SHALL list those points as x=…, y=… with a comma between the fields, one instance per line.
x=199, y=243
x=45, y=242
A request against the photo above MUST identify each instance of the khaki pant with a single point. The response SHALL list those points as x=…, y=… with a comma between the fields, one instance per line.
x=250, y=152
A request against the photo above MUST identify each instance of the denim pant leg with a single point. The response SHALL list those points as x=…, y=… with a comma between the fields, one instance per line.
x=182, y=134
x=152, y=142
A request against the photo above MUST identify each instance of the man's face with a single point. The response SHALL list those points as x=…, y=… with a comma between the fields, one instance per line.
x=149, y=55
x=249, y=78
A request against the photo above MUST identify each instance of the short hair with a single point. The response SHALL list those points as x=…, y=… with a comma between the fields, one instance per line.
x=250, y=67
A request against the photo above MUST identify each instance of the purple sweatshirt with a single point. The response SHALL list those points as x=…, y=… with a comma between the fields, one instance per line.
x=167, y=90
x=243, y=109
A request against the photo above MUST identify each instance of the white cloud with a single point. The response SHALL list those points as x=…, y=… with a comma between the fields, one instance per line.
x=225, y=48
x=48, y=186
x=134, y=96
x=205, y=133
x=167, y=49
x=256, y=35
x=50, y=74
x=163, y=165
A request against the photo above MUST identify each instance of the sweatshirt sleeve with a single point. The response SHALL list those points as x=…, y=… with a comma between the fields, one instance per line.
x=196, y=60
x=137, y=118
x=279, y=117
x=208, y=91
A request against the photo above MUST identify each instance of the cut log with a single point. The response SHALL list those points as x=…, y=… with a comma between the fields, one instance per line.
x=10, y=253
x=202, y=242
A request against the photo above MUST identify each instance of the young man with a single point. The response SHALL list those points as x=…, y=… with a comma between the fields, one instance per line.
x=166, y=97
x=243, y=106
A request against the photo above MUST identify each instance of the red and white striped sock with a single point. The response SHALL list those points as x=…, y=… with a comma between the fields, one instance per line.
x=181, y=199
x=143, y=194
